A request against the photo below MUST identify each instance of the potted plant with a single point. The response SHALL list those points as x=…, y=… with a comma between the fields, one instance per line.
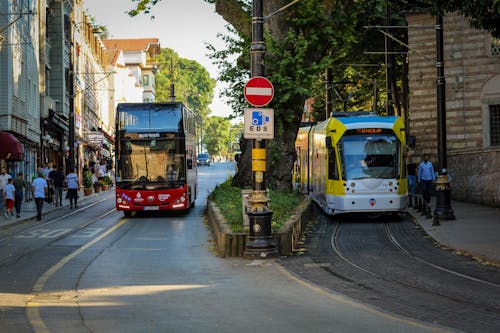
x=87, y=183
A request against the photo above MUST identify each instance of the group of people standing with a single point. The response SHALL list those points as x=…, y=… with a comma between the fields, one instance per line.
x=422, y=174
x=47, y=186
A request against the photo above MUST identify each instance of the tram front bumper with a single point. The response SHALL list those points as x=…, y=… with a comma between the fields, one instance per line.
x=366, y=203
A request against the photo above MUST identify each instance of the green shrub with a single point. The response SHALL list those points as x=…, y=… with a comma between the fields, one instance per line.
x=228, y=200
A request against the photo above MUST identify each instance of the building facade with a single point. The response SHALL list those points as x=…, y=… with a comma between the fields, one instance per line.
x=19, y=83
x=472, y=72
x=139, y=56
x=60, y=83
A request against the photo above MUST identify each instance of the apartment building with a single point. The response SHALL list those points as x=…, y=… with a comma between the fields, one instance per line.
x=20, y=128
x=60, y=83
x=139, y=57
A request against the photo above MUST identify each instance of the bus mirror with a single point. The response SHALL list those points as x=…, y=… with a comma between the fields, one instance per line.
x=412, y=141
x=328, y=141
x=190, y=163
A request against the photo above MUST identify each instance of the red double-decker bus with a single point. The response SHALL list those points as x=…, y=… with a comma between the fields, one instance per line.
x=155, y=156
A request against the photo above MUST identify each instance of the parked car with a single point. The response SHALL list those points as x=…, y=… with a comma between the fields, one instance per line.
x=203, y=159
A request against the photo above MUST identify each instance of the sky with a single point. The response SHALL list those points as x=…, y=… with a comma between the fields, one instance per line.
x=184, y=26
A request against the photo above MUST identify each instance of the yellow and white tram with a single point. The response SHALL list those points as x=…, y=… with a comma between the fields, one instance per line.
x=353, y=163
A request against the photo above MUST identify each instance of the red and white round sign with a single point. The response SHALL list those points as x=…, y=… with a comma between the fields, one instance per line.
x=259, y=91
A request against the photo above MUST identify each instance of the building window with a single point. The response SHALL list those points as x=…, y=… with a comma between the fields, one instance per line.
x=495, y=125
x=145, y=80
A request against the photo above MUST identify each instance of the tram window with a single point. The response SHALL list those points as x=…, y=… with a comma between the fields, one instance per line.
x=333, y=171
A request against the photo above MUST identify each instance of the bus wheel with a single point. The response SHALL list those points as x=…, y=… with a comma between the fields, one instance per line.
x=127, y=213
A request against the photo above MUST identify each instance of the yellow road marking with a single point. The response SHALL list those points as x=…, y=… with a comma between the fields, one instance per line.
x=33, y=309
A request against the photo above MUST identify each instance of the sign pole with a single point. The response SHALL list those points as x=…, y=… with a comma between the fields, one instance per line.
x=260, y=242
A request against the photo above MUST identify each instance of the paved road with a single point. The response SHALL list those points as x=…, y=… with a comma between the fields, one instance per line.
x=92, y=270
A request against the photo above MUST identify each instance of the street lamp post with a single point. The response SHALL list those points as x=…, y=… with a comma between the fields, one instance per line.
x=260, y=242
x=442, y=185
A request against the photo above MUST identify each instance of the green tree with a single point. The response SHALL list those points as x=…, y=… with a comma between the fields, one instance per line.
x=216, y=135
x=302, y=43
x=192, y=82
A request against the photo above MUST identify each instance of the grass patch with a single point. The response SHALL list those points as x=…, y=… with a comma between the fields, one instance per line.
x=228, y=200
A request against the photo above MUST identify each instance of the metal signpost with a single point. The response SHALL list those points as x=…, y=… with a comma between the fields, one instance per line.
x=259, y=92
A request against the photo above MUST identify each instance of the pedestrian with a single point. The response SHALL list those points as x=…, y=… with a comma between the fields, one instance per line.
x=4, y=180
x=412, y=179
x=426, y=176
x=9, y=193
x=47, y=169
x=72, y=184
x=57, y=178
x=40, y=190
x=20, y=186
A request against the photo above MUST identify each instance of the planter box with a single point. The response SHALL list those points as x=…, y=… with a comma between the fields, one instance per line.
x=229, y=244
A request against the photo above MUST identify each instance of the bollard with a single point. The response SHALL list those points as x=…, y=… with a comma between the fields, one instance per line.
x=410, y=201
x=435, y=219
x=418, y=205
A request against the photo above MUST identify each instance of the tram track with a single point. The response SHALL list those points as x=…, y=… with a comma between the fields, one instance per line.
x=336, y=246
x=41, y=226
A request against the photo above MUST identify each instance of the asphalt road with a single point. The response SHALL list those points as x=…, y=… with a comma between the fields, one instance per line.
x=93, y=270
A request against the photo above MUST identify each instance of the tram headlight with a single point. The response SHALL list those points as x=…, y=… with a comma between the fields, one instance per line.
x=119, y=200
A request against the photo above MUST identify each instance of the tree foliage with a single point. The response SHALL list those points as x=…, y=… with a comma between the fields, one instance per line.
x=307, y=39
x=192, y=83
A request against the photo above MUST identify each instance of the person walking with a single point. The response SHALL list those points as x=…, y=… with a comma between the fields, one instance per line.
x=20, y=186
x=9, y=193
x=72, y=184
x=57, y=178
x=412, y=180
x=40, y=190
x=4, y=180
x=426, y=176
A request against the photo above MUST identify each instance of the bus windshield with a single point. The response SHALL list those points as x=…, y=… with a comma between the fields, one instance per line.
x=369, y=156
x=151, y=163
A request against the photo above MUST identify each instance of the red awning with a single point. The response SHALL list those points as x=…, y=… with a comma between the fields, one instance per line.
x=10, y=147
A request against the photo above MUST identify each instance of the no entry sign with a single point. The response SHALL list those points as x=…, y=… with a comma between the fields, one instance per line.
x=259, y=91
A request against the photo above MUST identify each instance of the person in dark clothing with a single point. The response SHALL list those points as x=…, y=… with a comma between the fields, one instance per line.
x=412, y=180
x=57, y=178
x=20, y=186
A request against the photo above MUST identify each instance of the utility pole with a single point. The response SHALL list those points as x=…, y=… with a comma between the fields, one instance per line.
x=442, y=185
x=389, y=108
x=260, y=242
x=329, y=95
x=71, y=113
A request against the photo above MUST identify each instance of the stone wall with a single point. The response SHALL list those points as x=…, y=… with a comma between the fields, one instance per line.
x=469, y=66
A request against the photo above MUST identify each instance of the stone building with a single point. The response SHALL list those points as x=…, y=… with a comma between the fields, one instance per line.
x=472, y=72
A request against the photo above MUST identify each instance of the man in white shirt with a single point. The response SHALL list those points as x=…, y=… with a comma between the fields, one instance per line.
x=40, y=190
x=72, y=183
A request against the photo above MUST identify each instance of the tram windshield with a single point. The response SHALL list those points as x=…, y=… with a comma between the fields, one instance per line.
x=369, y=156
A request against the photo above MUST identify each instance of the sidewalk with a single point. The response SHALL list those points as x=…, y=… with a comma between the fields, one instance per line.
x=476, y=230
x=28, y=208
